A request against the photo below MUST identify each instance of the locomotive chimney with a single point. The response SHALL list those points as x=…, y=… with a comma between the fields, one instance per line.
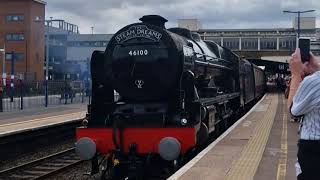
x=154, y=20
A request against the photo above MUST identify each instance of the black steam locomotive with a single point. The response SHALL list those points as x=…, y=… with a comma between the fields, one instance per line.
x=175, y=89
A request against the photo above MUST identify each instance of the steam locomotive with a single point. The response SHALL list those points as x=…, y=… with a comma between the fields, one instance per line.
x=175, y=89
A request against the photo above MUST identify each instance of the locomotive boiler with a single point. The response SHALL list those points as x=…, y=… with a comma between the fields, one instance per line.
x=174, y=90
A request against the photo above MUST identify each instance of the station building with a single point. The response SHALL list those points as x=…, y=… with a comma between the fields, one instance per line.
x=58, y=31
x=271, y=47
x=70, y=52
x=22, y=36
x=80, y=48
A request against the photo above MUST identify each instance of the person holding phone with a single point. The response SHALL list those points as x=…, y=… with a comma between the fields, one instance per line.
x=304, y=100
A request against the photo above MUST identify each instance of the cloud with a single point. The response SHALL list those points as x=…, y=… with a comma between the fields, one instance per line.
x=108, y=16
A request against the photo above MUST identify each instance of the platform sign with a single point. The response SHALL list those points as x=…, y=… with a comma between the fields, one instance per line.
x=281, y=66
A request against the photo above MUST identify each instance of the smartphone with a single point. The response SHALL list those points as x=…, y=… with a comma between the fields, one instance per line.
x=304, y=45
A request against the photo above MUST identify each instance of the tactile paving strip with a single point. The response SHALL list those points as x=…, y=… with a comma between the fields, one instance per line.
x=246, y=166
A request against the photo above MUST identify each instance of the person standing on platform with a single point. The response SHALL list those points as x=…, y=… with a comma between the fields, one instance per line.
x=304, y=101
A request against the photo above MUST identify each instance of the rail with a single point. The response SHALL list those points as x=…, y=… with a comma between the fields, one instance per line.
x=43, y=167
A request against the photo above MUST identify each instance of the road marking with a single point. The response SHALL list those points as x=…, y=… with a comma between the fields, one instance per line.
x=191, y=163
x=282, y=165
x=42, y=119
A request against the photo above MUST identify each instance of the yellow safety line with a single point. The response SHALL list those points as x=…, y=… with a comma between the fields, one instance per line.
x=246, y=166
x=41, y=119
x=282, y=165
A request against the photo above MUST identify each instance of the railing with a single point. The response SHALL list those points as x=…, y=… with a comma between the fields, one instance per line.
x=31, y=94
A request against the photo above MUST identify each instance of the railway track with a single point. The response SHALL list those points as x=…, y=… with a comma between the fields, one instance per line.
x=44, y=167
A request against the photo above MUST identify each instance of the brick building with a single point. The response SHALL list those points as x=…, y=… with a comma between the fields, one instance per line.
x=22, y=32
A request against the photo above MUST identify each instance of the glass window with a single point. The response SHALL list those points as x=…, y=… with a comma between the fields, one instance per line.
x=287, y=43
x=105, y=43
x=231, y=43
x=8, y=56
x=9, y=37
x=268, y=43
x=15, y=17
x=14, y=37
x=85, y=44
x=249, y=43
x=9, y=18
x=97, y=44
x=17, y=56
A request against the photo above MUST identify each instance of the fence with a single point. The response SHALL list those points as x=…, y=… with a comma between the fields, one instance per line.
x=32, y=94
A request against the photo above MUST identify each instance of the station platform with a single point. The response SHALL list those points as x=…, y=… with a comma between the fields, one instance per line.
x=262, y=145
x=36, y=118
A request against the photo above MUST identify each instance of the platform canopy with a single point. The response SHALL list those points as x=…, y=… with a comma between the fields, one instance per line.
x=280, y=59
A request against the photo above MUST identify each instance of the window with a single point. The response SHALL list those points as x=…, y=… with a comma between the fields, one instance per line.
x=15, y=17
x=249, y=43
x=287, y=43
x=268, y=43
x=87, y=43
x=104, y=43
x=8, y=56
x=17, y=56
x=14, y=37
x=231, y=43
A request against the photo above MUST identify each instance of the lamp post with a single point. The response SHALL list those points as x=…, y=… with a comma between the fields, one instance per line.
x=47, y=61
x=3, y=78
x=298, y=12
x=3, y=64
x=12, y=77
x=47, y=56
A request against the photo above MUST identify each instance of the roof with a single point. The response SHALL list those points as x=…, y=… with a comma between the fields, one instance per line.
x=40, y=1
x=281, y=59
x=246, y=30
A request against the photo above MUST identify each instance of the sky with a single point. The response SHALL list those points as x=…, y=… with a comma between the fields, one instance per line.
x=108, y=16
